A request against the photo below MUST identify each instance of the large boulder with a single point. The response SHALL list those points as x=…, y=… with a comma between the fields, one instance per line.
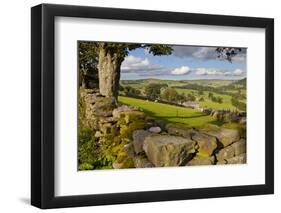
x=225, y=136
x=184, y=132
x=103, y=120
x=138, y=139
x=129, y=150
x=130, y=116
x=239, y=159
x=199, y=160
x=239, y=147
x=167, y=150
x=206, y=143
x=104, y=106
x=154, y=129
x=225, y=153
x=142, y=162
x=123, y=108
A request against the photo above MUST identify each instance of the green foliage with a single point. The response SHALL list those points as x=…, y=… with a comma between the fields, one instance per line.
x=226, y=89
x=153, y=90
x=170, y=94
x=87, y=147
x=121, y=88
x=201, y=99
x=92, y=155
x=228, y=53
x=85, y=166
x=121, y=50
x=88, y=60
x=238, y=95
x=190, y=97
x=81, y=109
x=160, y=49
x=131, y=91
x=240, y=105
x=217, y=99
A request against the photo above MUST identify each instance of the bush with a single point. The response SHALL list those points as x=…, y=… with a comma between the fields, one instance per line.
x=91, y=155
x=201, y=99
x=170, y=94
x=153, y=90
x=85, y=166
x=131, y=91
x=190, y=97
x=86, y=148
x=239, y=105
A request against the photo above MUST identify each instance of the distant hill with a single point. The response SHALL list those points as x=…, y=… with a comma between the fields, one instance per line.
x=237, y=84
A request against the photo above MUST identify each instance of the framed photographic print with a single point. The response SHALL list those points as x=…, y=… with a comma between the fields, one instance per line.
x=140, y=106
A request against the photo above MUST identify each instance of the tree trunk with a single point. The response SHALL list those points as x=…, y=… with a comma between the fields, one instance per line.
x=109, y=73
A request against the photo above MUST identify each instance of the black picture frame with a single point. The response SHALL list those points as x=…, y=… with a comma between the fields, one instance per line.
x=43, y=110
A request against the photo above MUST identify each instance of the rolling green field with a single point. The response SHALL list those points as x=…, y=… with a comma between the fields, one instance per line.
x=226, y=94
x=226, y=104
x=170, y=113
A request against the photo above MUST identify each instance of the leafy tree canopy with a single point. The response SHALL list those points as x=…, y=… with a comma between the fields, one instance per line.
x=227, y=52
x=122, y=49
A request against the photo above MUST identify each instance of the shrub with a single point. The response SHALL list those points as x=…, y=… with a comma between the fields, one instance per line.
x=85, y=166
x=170, y=94
x=153, y=90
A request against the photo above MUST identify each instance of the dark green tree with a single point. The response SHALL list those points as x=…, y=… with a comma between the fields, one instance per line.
x=170, y=94
x=153, y=90
x=190, y=97
x=131, y=91
x=88, y=61
x=228, y=52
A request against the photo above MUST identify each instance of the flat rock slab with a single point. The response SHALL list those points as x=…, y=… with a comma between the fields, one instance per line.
x=184, y=132
x=138, y=139
x=239, y=147
x=225, y=136
x=207, y=143
x=225, y=153
x=198, y=161
x=239, y=159
x=167, y=150
x=141, y=162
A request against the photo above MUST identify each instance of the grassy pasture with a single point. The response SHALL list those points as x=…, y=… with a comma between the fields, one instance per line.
x=208, y=103
x=170, y=113
x=226, y=104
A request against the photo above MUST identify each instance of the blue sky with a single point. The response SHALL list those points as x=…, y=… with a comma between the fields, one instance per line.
x=185, y=63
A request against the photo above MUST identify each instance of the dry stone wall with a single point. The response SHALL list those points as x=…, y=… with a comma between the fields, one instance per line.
x=136, y=140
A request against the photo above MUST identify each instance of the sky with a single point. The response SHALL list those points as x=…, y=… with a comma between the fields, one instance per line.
x=185, y=63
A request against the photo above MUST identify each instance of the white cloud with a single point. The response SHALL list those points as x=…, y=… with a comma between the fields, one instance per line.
x=132, y=62
x=208, y=71
x=143, y=67
x=238, y=72
x=135, y=64
x=218, y=72
x=181, y=70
